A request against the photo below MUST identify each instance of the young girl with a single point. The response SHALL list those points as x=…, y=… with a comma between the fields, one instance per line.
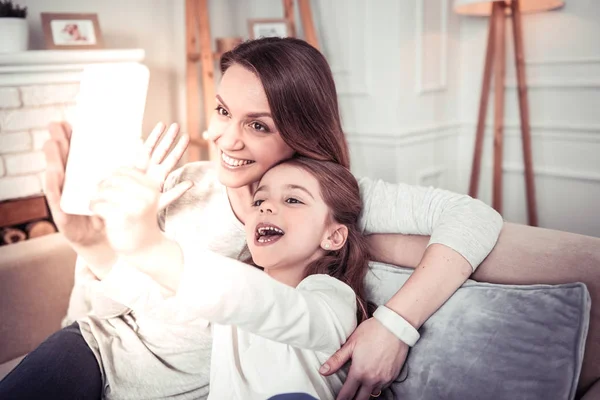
x=272, y=328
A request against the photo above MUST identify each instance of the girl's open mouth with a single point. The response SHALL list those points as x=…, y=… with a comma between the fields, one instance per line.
x=267, y=234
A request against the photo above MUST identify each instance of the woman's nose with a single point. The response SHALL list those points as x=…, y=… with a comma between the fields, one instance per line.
x=226, y=136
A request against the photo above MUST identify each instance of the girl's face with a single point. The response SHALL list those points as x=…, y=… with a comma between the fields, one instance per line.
x=243, y=131
x=290, y=220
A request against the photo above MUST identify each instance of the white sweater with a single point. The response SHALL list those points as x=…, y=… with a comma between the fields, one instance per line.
x=157, y=356
x=259, y=325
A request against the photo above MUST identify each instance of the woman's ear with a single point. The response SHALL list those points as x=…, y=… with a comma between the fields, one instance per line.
x=336, y=238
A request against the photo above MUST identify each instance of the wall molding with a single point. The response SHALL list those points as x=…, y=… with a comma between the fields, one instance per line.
x=565, y=61
x=576, y=132
x=406, y=136
x=350, y=82
x=557, y=173
x=420, y=87
x=557, y=84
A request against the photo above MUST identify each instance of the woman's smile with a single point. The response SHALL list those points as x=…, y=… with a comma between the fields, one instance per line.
x=231, y=162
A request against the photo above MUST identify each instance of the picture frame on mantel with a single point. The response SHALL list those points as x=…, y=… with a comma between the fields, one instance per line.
x=272, y=27
x=68, y=31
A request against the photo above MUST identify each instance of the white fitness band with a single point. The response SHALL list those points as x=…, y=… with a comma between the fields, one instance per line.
x=397, y=325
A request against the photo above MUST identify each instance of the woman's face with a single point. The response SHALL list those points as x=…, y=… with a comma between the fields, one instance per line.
x=243, y=131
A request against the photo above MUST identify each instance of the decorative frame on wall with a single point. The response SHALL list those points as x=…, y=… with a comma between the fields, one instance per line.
x=422, y=87
x=67, y=31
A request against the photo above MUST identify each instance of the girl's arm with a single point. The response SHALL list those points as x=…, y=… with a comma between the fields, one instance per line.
x=319, y=314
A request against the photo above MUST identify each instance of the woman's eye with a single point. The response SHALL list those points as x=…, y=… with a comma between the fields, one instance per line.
x=292, y=200
x=222, y=111
x=259, y=127
x=257, y=203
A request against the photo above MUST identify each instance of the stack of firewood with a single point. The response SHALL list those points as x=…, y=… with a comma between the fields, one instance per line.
x=23, y=219
x=31, y=230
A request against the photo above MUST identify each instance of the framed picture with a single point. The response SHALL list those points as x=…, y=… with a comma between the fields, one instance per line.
x=72, y=31
x=268, y=28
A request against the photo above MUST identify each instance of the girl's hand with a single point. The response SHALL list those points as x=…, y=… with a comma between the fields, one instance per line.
x=377, y=358
x=128, y=203
x=84, y=231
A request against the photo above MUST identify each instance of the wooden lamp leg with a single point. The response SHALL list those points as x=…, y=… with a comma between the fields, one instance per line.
x=483, y=103
x=524, y=114
x=499, y=77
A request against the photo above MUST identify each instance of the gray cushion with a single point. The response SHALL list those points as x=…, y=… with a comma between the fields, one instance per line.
x=493, y=341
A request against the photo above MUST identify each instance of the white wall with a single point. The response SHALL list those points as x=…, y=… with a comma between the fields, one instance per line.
x=562, y=53
x=409, y=75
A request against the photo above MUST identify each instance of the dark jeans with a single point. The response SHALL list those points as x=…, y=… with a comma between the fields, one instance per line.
x=62, y=367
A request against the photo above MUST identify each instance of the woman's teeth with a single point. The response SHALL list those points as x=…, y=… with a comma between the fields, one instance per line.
x=234, y=162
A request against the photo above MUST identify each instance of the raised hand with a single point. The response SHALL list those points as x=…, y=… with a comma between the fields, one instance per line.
x=128, y=202
x=88, y=232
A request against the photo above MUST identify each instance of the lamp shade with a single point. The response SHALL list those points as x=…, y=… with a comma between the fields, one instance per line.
x=484, y=7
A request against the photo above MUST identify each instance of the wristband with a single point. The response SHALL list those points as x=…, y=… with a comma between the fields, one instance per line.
x=397, y=325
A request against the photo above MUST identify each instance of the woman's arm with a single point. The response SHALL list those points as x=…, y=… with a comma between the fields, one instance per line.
x=319, y=314
x=463, y=231
x=397, y=249
x=466, y=225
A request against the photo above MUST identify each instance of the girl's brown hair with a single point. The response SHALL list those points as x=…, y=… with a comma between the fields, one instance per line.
x=340, y=191
x=301, y=93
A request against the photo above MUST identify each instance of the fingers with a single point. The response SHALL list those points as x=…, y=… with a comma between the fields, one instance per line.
x=53, y=180
x=174, y=193
x=154, y=137
x=173, y=158
x=365, y=392
x=160, y=151
x=337, y=360
x=61, y=134
x=349, y=388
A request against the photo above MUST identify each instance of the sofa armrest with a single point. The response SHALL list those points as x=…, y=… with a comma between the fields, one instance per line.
x=36, y=279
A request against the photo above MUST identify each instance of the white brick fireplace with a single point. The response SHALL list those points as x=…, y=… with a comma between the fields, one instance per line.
x=37, y=87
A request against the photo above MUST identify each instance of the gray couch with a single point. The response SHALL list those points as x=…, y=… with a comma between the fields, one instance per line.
x=36, y=278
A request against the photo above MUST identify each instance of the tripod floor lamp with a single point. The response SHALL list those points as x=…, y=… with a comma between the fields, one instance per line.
x=495, y=59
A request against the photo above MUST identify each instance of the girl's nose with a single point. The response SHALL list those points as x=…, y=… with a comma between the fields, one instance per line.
x=266, y=210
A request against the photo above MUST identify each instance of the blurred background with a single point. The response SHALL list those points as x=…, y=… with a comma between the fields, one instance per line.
x=409, y=77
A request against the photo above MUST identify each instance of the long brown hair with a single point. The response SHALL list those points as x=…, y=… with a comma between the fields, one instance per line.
x=301, y=93
x=341, y=193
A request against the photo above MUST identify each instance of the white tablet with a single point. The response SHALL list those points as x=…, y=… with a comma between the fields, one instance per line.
x=107, y=129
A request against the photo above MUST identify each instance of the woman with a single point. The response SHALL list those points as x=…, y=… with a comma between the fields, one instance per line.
x=277, y=98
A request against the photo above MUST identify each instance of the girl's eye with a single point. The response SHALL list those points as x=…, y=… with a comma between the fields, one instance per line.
x=222, y=111
x=257, y=203
x=292, y=200
x=259, y=127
